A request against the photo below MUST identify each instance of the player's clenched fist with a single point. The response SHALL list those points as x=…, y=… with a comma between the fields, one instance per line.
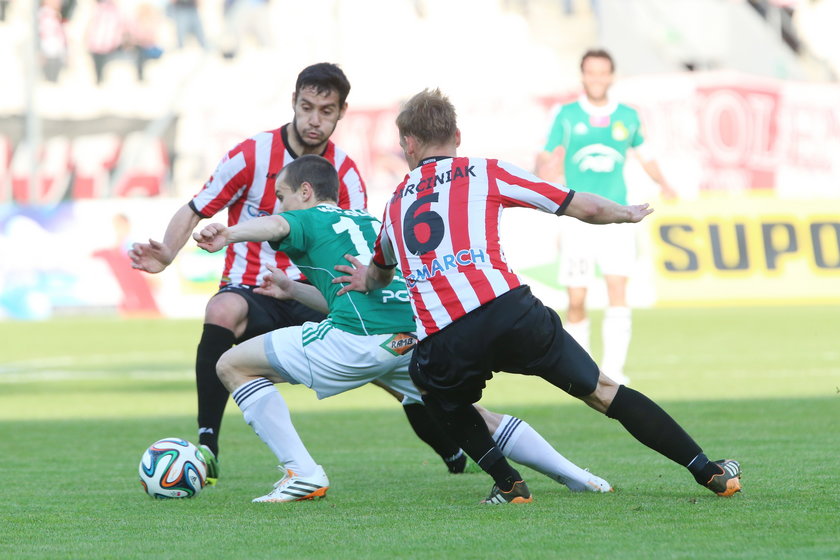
x=212, y=238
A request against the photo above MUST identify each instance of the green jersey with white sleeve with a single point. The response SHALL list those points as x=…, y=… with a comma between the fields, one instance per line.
x=596, y=140
x=318, y=239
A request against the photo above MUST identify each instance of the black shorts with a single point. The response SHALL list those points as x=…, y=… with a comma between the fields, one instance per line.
x=515, y=333
x=266, y=313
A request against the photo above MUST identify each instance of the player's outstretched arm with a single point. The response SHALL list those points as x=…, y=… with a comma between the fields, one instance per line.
x=362, y=278
x=155, y=256
x=266, y=228
x=595, y=209
x=277, y=285
x=213, y=237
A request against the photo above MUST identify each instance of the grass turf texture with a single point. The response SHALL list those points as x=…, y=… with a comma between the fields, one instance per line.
x=81, y=399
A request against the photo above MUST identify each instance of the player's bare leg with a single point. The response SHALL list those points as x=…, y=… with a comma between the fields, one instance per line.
x=577, y=321
x=248, y=375
x=616, y=329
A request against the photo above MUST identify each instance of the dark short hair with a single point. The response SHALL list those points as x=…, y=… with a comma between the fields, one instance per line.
x=316, y=171
x=324, y=77
x=429, y=116
x=598, y=53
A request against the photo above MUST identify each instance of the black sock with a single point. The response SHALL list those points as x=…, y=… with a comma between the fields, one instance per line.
x=431, y=433
x=456, y=463
x=651, y=425
x=468, y=429
x=703, y=469
x=212, y=395
x=495, y=464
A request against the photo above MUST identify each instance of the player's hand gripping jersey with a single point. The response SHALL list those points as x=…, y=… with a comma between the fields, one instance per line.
x=243, y=182
x=441, y=227
x=318, y=239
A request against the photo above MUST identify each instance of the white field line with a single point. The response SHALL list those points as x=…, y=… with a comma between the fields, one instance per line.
x=93, y=367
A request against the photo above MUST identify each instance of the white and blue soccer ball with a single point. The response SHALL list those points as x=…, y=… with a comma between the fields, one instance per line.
x=172, y=468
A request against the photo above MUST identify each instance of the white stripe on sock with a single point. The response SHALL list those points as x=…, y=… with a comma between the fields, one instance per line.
x=252, y=390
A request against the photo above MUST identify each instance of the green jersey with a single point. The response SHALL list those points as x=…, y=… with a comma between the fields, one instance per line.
x=318, y=239
x=596, y=140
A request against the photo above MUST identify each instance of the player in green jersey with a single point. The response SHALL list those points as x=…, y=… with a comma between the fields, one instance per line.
x=586, y=149
x=366, y=337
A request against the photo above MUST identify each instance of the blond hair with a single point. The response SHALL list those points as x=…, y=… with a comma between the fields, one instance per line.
x=429, y=117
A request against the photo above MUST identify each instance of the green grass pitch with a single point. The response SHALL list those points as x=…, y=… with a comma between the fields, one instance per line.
x=81, y=399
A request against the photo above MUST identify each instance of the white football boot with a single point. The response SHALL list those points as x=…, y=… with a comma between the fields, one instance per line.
x=294, y=488
x=592, y=484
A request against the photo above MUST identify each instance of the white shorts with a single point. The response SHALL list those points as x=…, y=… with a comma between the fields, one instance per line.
x=610, y=247
x=331, y=361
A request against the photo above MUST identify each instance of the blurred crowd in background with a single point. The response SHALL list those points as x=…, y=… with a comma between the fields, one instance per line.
x=142, y=31
x=114, y=112
x=139, y=31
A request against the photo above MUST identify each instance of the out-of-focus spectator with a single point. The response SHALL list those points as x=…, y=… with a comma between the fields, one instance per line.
x=187, y=22
x=68, y=7
x=780, y=13
x=52, y=41
x=142, y=31
x=105, y=35
x=245, y=18
x=4, y=5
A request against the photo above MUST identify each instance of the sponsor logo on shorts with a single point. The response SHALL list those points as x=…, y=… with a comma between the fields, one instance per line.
x=400, y=344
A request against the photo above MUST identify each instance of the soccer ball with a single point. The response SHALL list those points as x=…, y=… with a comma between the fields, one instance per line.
x=172, y=468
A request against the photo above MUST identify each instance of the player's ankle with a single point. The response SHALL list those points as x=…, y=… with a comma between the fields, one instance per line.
x=702, y=469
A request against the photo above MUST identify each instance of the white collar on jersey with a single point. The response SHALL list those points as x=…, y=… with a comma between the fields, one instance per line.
x=597, y=111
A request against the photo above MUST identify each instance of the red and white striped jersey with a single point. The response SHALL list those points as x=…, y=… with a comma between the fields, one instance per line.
x=243, y=182
x=441, y=227
x=106, y=29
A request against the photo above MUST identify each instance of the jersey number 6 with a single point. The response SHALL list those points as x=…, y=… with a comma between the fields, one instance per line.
x=427, y=225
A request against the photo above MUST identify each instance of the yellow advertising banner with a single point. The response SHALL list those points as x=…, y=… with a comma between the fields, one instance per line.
x=748, y=248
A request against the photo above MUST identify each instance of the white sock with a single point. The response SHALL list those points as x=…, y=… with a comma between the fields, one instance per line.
x=580, y=332
x=266, y=412
x=519, y=442
x=617, y=329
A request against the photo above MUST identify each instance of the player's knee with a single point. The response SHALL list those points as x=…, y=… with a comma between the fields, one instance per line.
x=492, y=419
x=577, y=308
x=227, y=310
x=227, y=372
